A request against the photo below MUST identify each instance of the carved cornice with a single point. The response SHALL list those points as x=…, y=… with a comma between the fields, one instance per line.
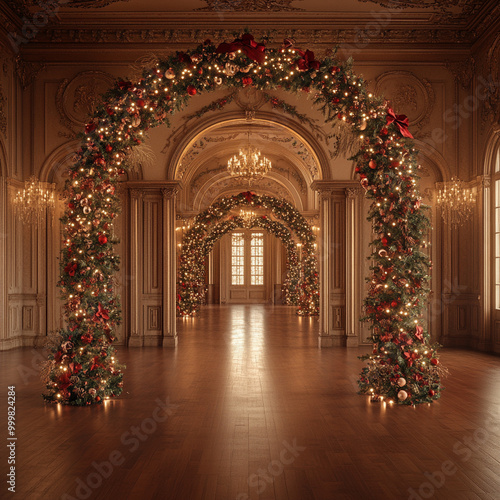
x=329, y=189
x=305, y=36
x=91, y=4
x=249, y=6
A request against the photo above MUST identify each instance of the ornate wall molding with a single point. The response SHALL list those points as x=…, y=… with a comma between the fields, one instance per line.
x=76, y=99
x=170, y=192
x=3, y=110
x=491, y=105
x=305, y=36
x=249, y=6
x=408, y=94
x=27, y=71
x=463, y=71
x=91, y=4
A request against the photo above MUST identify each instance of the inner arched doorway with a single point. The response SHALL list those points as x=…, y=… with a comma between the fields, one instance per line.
x=212, y=224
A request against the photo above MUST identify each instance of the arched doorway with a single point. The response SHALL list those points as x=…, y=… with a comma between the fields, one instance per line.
x=384, y=158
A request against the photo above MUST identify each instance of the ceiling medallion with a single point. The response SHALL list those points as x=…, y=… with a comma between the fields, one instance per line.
x=249, y=6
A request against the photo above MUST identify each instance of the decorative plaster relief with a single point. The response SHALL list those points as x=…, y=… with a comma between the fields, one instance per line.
x=27, y=71
x=3, y=116
x=249, y=6
x=491, y=105
x=91, y=4
x=408, y=95
x=236, y=185
x=463, y=71
x=76, y=99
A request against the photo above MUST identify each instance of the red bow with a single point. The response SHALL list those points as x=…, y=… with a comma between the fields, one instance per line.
x=101, y=314
x=401, y=121
x=95, y=363
x=71, y=268
x=75, y=367
x=252, y=49
x=307, y=61
x=248, y=196
x=64, y=381
x=419, y=333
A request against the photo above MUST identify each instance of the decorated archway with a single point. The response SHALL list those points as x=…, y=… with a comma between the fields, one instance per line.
x=403, y=366
x=209, y=226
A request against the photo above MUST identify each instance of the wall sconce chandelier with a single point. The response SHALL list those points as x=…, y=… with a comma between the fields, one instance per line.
x=249, y=164
x=456, y=200
x=35, y=202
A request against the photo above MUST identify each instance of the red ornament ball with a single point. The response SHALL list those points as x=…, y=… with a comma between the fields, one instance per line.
x=191, y=90
x=103, y=239
x=434, y=361
x=372, y=164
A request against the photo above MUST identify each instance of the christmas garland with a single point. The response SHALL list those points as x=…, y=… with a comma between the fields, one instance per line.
x=291, y=286
x=403, y=366
x=301, y=286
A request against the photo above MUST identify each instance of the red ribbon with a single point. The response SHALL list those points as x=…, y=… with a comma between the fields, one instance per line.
x=247, y=44
x=71, y=268
x=96, y=363
x=101, y=314
x=419, y=331
x=307, y=61
x=248, y=196
x=64, y=381
x=401, y=121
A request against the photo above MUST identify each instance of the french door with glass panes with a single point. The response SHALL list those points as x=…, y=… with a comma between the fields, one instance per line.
x=247, y=267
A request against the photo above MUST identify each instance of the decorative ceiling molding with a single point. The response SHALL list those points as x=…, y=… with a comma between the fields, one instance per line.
x=90, y=4
x=249, y=6
x=456, y=35
x=465, y=5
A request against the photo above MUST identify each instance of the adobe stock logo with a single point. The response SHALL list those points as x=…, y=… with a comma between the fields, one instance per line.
x=275, y=468
x=39, y=20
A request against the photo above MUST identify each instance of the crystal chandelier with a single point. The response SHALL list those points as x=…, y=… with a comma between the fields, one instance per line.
x=247, y=217
x=456, y=201
x=36, y=201
x=249, y=164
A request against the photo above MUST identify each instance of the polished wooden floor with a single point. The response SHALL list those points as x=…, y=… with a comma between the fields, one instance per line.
x=256, y=411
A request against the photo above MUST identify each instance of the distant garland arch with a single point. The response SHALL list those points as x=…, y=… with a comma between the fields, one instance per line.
x=404, y=367
x=209, y=226
x=292, y=282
